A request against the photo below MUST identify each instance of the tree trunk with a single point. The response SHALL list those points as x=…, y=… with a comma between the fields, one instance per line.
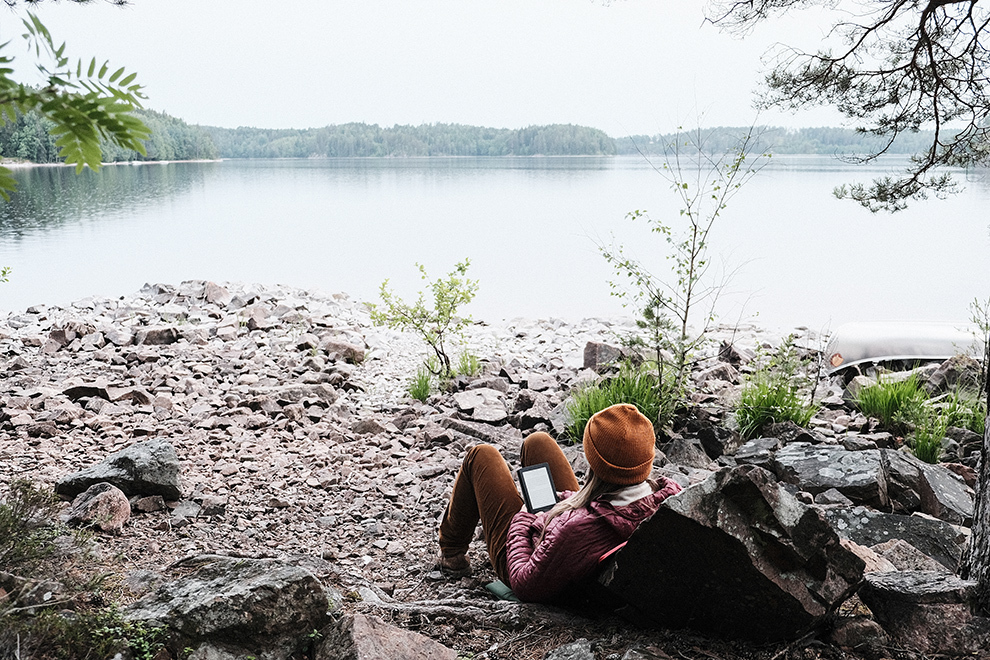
x=978, y=562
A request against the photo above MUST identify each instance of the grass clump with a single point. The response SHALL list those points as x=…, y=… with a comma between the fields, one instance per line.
x=895, y=404
x=928, y=435
x=772, y=394
x=468, y=364
x=767, y=399
x=421, y=384
x=904, y=407
x=640, y=388
x=963, y=409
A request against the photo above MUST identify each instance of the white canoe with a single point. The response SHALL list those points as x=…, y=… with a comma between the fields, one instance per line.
x=882, y=341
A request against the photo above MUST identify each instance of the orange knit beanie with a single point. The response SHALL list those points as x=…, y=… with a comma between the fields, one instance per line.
x=618, y=443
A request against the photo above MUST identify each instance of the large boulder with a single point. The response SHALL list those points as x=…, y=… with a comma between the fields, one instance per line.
x=598, y=355
x=144, y=468
x=688, y=452
x=938, y=539
x=959, y=371
x=101, y=506
x=758, y=451
x=361, y=637
x=722, y=554
x=482, y=404
x=858, y=475
x=913, y=485
x=928, y=612
x=262, y=607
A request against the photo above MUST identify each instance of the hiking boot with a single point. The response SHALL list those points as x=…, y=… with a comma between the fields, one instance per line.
x=455, y=565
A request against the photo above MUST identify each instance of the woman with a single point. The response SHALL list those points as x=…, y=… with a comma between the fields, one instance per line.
x=540, y=555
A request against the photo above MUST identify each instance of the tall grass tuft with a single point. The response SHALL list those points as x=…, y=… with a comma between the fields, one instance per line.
x=467, y=364
x=893, y=403
x=771, y=394
x=928, y=435
x=963, y=409
x=421, y=384
x=767, y=399
x=654, y=399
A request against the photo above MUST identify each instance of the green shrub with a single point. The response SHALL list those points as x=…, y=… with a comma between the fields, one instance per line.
x=896, y=404
x=928, y=435
x=637, y=387
x=81, y=635
x=434, y=325
x=27, y=527
x=420, y=387
x=768, y=398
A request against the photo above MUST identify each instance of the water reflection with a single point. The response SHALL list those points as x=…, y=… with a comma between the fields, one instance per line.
x=529, y=225
x=51, y=197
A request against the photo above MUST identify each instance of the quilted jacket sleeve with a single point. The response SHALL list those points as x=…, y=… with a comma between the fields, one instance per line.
x=537, y=573
x=573, y=544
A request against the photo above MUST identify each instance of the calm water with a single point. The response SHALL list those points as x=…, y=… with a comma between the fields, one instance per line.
x=530, y=227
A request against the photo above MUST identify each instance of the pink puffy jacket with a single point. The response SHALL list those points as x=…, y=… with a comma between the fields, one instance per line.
x=572, y=546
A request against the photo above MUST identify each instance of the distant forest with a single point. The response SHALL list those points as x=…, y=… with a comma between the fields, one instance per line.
x=28, y=138
x=371, y=140
x=827, y=141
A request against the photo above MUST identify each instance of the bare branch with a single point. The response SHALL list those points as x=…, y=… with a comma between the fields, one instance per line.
x=905, y=65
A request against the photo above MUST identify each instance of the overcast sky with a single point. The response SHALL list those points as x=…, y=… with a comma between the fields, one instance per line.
x=628, y=67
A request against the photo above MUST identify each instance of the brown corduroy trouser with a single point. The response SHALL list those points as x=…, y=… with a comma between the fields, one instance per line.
x=485, y=490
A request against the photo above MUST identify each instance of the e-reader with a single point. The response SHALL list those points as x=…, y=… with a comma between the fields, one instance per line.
x=537, y=487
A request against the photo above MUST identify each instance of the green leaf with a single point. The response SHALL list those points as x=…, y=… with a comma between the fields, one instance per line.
x=7, y=183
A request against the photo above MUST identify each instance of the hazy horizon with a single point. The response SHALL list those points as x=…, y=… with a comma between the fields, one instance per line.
x=636, y=67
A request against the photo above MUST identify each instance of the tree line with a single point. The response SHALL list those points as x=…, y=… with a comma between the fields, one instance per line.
x=371, y=140
x=777, y=140
x=28, y=138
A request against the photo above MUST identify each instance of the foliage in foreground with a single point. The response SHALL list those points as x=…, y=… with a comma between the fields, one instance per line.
x=893, y=69
x=27, y=530
x=641, y=388
x=434, y=325
x=86, y=634
x=85, y=103
x=29, y=550
x=772, y=395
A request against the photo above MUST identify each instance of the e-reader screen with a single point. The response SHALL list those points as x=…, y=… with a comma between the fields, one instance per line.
x=537, y=487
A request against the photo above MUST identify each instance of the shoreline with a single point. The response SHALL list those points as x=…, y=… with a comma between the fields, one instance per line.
x=624, y=323
x=19, y=165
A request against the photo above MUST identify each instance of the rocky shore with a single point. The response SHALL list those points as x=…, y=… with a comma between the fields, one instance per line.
x=295, y=441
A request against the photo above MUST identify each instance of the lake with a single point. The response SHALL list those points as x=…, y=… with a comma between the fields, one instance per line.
x=531, y=227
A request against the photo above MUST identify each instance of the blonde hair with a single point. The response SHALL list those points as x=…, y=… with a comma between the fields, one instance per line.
x=593, y=488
